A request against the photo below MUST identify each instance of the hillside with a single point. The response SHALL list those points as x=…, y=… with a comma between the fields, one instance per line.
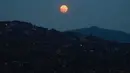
x=27, y=48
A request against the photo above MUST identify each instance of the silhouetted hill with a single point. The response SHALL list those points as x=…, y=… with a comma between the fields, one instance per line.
x=21, y=35
x=27, y=48
x=107, y=34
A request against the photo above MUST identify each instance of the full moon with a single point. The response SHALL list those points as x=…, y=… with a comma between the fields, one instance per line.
x=63, y=8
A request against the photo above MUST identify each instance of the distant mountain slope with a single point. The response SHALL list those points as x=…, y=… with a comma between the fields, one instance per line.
x=107, y=34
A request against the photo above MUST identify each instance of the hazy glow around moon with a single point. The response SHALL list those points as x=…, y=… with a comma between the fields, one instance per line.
x=63, y=8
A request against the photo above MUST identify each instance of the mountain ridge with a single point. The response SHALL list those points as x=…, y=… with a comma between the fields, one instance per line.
x=113, y=35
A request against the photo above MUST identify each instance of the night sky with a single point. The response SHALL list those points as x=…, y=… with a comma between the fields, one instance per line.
x=110, y=14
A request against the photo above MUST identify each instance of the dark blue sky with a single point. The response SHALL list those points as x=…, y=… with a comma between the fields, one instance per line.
x=110, y=14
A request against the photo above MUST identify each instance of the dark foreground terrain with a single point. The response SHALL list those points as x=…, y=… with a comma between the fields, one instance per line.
x=27, y=48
